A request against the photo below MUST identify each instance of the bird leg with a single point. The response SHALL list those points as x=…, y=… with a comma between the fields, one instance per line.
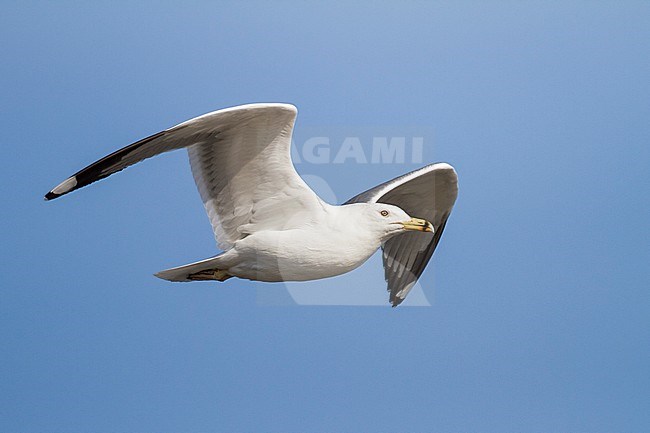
x=210, y=274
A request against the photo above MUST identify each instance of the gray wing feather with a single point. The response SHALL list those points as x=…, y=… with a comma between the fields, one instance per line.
x=429, y=193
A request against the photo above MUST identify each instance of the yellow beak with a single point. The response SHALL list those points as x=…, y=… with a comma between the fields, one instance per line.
x=418, y=225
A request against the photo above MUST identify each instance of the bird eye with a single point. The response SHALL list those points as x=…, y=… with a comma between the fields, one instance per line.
x=384, y=213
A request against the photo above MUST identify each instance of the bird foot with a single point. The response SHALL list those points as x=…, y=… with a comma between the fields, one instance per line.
x=210, y=274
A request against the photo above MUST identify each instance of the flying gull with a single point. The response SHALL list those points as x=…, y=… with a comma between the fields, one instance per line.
x=270, y=225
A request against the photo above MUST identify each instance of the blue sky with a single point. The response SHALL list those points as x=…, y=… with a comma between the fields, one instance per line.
x=539, y=289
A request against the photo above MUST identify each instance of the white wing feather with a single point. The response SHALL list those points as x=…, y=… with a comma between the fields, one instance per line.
x=241, y=162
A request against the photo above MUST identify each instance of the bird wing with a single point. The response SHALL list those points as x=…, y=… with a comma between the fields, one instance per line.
x=429, y=193
x=241, y=162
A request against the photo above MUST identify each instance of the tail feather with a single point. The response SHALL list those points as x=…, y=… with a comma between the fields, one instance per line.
x=186, y=272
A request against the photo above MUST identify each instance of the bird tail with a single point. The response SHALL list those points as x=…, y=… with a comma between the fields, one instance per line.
x=207, y=269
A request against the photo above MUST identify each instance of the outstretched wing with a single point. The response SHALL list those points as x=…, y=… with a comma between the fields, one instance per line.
x=241, y=162
x=429, y=193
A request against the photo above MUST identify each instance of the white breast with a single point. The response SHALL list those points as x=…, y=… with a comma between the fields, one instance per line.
x=299, y=255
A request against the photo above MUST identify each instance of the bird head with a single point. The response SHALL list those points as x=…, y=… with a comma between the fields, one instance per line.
x=391, y=220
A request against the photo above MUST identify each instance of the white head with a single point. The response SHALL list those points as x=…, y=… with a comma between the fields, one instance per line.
x=386, y=220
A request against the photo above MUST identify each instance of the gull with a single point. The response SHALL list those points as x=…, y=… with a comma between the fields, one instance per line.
x=269, y=224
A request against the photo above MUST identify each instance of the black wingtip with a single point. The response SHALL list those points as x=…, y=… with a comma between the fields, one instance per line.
x=70, y=184
x=396, y=301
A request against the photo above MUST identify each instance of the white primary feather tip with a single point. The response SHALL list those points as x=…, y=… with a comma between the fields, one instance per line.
x=64, y=186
